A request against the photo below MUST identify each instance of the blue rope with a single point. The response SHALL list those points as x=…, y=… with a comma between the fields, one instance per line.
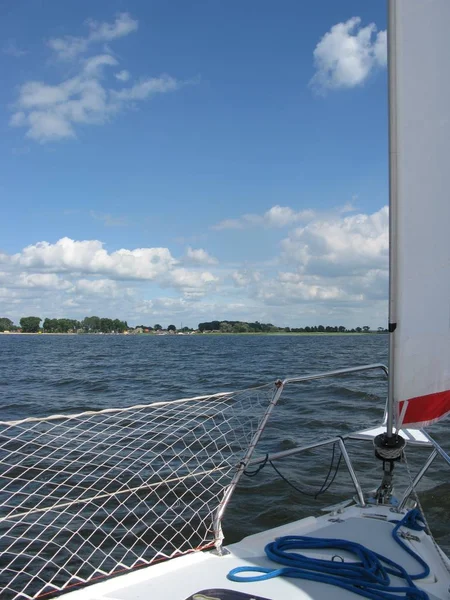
x=367, y=577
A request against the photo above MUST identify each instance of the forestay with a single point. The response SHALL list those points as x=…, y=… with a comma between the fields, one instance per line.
x=419, y=47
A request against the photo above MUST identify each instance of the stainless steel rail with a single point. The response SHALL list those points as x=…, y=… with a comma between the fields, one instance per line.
x=293, y=451
x=438, y=449
x=217, y=520
x=279, y=387
x=416, y=479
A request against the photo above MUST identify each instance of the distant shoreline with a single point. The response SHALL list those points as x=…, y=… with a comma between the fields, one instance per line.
x=256, y=333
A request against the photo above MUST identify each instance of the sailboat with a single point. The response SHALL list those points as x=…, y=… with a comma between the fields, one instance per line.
x=128, y=504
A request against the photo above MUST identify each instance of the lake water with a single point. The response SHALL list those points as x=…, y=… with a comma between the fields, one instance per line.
x=43, y=375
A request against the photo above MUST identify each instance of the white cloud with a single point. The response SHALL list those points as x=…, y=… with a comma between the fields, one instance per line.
x=69, y=47
x=246, y=277
x=380, y=48
x=89, y=256
x=340, y=245
x=339, y=269
x=54, y=112
x=122, y=75
x=51, y=112
x=163, y=306
x=199, y=256
x=103, y=287
x=93, y=65
x=331, y=270
x=146, y=88
x=347, y=54
x=277, y=216
x=39, y=264
x=193, y=284
x=34, y=280
x=289, y=288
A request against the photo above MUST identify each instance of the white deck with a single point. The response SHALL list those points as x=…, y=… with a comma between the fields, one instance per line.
x=190, y=575
x=414, y=437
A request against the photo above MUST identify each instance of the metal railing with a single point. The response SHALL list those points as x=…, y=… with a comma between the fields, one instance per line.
x=247, y=459
x=149, y=481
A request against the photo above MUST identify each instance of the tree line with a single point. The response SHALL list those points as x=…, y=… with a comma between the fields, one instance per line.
x=96, y=324
x=257, y=327
x=87, y=325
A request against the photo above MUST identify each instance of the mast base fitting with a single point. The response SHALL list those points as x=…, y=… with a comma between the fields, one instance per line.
x=389, y=448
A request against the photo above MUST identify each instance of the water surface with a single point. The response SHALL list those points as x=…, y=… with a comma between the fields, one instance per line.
x=43, y=375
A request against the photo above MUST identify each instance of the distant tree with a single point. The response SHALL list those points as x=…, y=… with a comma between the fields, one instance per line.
x=320, y=328
x=157, y=327
x=106, y=325
x=64, y=325
x=47, y=325
x=6, y=324
x=30, y=324
x=91, y=324
x=241, y=328
x=342, y=328
x=380, y=329
x=171, y=328
x=119, y=326
x=366, y=328
x=358, y=329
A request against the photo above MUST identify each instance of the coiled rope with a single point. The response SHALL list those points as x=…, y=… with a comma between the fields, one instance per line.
x=367, y=577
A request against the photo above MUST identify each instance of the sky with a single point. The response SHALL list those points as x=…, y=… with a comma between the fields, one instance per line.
x=179, y=161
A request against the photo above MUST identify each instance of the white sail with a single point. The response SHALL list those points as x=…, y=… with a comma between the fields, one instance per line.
x=419, y=64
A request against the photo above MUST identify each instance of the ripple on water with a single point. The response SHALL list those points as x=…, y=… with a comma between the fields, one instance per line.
x=42, y=375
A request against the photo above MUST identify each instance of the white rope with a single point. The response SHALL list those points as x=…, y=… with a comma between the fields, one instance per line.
x=113, y=410
x=102, y=496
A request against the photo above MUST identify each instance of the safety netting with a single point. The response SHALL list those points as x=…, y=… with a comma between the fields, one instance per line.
x=92, y=495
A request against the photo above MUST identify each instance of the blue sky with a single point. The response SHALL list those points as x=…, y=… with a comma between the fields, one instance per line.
x=187, y=161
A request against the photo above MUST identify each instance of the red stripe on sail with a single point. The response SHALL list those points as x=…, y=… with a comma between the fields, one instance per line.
x=425, y=410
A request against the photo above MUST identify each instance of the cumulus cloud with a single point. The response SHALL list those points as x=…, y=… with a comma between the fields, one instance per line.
x=336, y=261
x=347, y=55
x=199, y=256
x=34, y=280
x=52, y=112
x=89, y=256
x=246, y=277
x=96, y=286
x=289, y=288
x=69, y=47
x=332, y=269
x=277, y=216
x=40, y=264
x=340, y=245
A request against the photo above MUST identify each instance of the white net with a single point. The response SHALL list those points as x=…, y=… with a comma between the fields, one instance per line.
x=91, y=495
